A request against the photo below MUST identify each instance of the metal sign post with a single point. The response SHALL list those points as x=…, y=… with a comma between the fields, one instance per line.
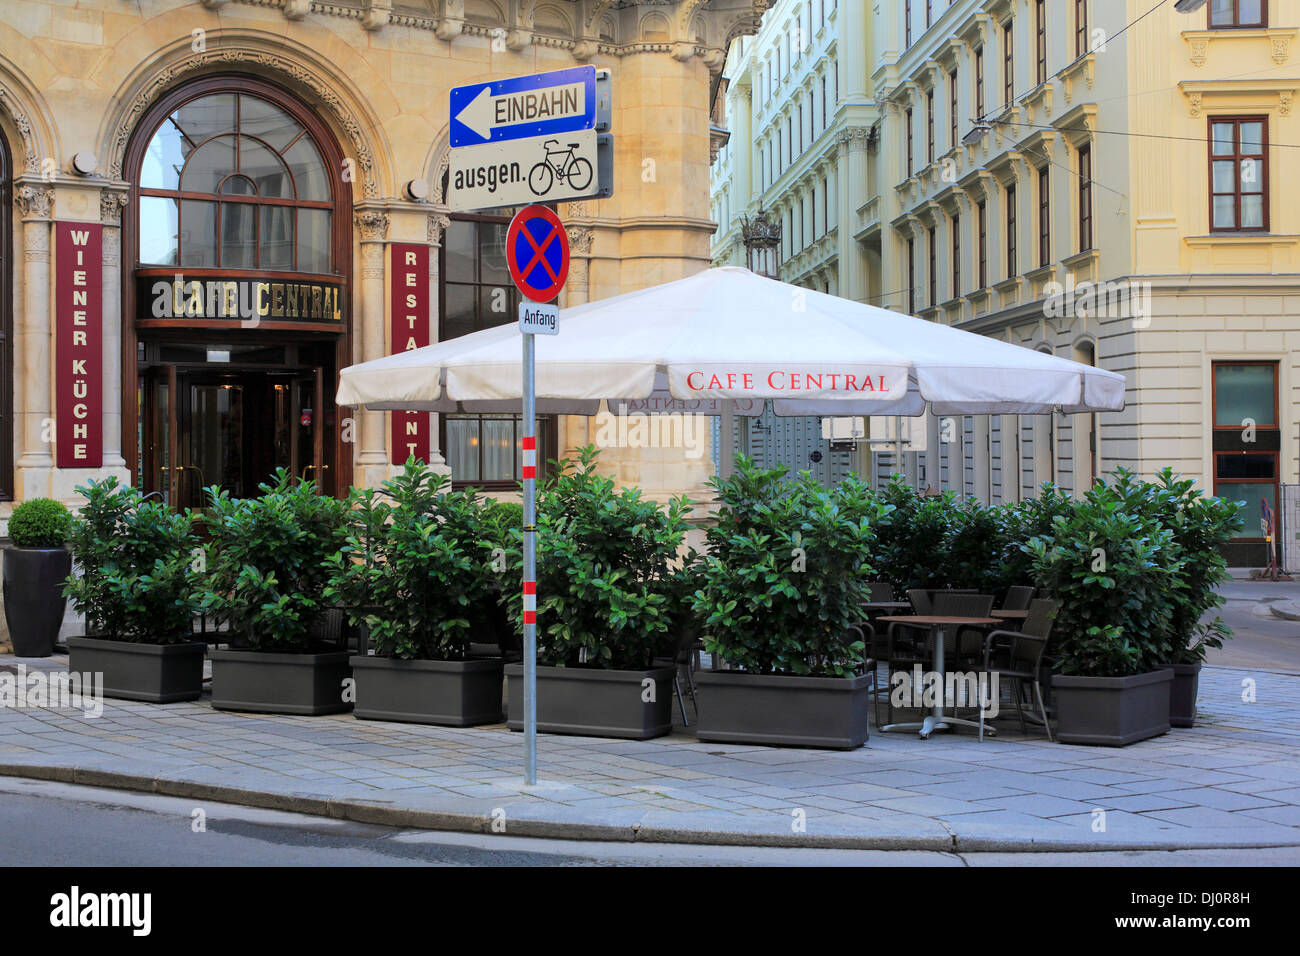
x=537, y=252
x=515, y=141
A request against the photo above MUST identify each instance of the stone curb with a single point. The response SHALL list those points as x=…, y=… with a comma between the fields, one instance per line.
x=617, y=826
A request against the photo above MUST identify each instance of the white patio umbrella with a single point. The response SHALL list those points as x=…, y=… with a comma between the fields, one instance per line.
x=725, y=334
x=728, y=333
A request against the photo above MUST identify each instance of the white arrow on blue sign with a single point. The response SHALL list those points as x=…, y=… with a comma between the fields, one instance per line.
x=521, y=107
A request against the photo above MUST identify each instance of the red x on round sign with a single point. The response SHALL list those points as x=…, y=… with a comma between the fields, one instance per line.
x=537, y=252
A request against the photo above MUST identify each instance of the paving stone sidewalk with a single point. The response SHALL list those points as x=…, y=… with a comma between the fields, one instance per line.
x=1234, y=780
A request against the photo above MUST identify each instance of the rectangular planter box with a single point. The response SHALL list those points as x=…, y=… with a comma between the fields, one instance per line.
x=1182, y=694
x=594, y=703
x=154, y=673
x=1112, y=711
x=452, y=693
x=270, y=683
x=741, y=708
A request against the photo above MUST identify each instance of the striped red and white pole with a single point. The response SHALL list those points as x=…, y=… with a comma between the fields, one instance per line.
x=530, y=456
x=530, y=602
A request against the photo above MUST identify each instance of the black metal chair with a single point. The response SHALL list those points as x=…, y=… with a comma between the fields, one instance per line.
x=1018, y=655
x=907, y=643
x=1017, y=598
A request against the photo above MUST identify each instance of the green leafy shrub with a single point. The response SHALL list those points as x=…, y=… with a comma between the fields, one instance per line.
x=786, y=568
x=266, y=561
x=605, y=563
x=1113, y=567
x=40, y=523
x=1201, y=527
x=416, y=569
x=137, y=580
x=910, y=540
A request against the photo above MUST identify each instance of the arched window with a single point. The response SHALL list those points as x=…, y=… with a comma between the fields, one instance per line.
x=232, y=181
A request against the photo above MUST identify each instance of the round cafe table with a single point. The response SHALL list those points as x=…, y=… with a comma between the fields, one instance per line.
x=885, y=605
x=1011, y=615
x=937, y=720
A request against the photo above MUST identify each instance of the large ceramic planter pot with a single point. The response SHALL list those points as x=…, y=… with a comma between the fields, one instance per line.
x=595, y=703
x=740, y=708
x=452, y=693
x=1112, y=711
x=34, y=601
x=272, y=683
x=155, y=673
x=1182, y=694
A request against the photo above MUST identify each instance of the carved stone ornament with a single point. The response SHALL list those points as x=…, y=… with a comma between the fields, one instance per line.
x=579, y=239
x=7, y=103
x=34, y=202
x=111, y=204
x=436, y=225
x=372, y=224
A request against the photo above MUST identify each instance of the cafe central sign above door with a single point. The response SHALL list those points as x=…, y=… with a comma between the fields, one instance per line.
x=251, y=299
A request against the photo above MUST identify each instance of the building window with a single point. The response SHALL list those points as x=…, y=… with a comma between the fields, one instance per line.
x=1239, y=174
x=789, y=142
x=911, y=277
x=981, y=224
x=1044, y=217
x=1085, y=198
x=1245, y=393
x=929, y=127
x=1008, y=63
x=826, y=204
x=1238, y=13
x=1040, y=40
x=826, y=111
x=1080, y=27
x=232, y=181
x=477, y=293
x=956, y=256
x=929, y=13
x=952, y=109
x=907, y=24
x=910, y=164
x=801, y=127
x=1012, y=269
x=934, y=283
x=979, y=82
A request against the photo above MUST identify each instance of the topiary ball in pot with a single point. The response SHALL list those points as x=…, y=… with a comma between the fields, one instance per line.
x=40, y=523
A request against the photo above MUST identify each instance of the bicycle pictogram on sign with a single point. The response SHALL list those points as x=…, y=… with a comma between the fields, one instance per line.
x=562, y=165
x=537, y=252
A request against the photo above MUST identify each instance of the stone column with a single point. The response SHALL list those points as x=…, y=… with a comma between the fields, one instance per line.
x=32, y=341
x=111, y=203
x=852, y=169
x=852, y=51
x=742, y=145
x=576, y=431
x=372, y=225
x=437, y=225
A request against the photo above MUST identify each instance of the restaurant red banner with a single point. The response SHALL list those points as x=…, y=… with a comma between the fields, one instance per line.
x=78, y=345
x=410, y=330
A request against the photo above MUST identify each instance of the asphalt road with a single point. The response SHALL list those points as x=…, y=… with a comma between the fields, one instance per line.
x=53, y=824
x=1260, y=640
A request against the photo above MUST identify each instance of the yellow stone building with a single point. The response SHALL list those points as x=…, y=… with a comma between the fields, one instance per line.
x=203, y=205
x=1097, y=179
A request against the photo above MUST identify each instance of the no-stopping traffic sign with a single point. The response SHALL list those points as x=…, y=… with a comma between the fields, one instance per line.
x=537, y=252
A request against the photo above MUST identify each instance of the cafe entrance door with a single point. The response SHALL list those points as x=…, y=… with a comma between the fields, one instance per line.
x=204, y=426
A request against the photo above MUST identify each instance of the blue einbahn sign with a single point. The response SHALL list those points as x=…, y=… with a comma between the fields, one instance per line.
x=521, y=107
